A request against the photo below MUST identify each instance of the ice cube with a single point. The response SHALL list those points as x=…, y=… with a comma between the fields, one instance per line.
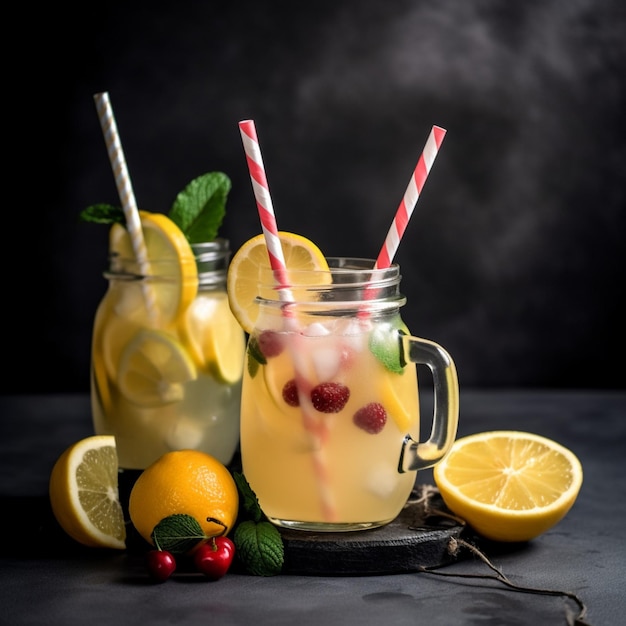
x=316, y=329
x=326, y=361
x=381, y=480
x=185, y=433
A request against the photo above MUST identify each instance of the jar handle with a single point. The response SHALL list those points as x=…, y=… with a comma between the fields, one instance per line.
x=421, y=455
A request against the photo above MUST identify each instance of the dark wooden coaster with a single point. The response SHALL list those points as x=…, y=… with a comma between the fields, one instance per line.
x=418, y=537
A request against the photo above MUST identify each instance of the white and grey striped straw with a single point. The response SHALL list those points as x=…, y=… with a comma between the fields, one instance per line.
x=125, y=190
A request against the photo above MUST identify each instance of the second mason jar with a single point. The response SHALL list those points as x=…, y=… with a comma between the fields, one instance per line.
x=169, y=379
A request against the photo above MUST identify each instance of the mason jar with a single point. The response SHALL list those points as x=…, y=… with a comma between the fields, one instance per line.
x=330, y=420
x=173, y=380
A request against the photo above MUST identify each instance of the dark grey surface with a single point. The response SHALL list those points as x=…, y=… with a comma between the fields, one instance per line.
x=47, y=579
x=515, y=251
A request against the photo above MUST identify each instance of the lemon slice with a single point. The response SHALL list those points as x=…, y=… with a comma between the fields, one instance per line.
x=388, y=385
x=170, y=258
x=100, y=381
x=84, y=494
x=509, y=485
x=252, y=259
x=214, y=337
x=154, y=368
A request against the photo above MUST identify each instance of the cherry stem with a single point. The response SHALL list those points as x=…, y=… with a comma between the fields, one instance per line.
x=219, y=523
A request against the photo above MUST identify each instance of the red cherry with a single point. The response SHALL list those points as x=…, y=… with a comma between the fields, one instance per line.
x=161, y=564
x=214, y=557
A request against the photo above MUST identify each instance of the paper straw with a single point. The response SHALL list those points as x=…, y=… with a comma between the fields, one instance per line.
x=264, y=204
x=277, y=263
x=125, y=190
x=411, y=196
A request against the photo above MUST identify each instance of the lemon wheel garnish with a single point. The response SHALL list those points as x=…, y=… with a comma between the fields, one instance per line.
x=214, y=337
x=170, y=257
x=154, y=368
x=84, y=494
x=252, y=259
x=509, y=485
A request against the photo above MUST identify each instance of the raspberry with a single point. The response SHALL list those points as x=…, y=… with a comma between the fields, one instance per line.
x=270, y=343
x=330, y=397
x=290, y=393
x=371, y=418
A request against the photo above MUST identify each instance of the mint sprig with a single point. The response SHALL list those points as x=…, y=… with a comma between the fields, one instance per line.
x=103, y=214
x=259, y=545
x=177, y=533
x=255, y=357
x=198, y=210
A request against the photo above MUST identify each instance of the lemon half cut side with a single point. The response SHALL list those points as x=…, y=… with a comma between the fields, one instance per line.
x=84, y=493
x=509, y=486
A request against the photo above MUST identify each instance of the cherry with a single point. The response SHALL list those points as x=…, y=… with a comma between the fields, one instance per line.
x=161, y=564
x=214, y=557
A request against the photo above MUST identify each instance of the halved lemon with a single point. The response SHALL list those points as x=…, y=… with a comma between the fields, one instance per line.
x=509, y=485
x=170, y=257
x=154, y=368
x=252, y=259
x=214, y=337
x=84, y=493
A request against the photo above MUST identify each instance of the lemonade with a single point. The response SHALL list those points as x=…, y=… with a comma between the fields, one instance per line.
x=175, y=381
x=350, y=468
x=330, y=407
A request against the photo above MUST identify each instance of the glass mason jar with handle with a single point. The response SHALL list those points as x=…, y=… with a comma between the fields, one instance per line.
x=330, y=408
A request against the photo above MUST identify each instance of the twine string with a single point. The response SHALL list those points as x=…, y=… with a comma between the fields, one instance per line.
x=456, y=544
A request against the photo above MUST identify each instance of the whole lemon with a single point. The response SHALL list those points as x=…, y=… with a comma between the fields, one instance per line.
x=184, y=482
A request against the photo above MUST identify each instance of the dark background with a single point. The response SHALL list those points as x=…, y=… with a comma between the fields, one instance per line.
x=514, y=257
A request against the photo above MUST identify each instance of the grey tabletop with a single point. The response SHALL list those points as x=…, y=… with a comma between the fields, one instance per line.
x=48, y=579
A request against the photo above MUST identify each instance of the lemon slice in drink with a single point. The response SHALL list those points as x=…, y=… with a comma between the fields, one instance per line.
x=84, y=494
x=100, y=381
x=388, y=385
x=252, y=259
x=214, y=337
x=154, y=368
x=170, y=257
x=509, y=485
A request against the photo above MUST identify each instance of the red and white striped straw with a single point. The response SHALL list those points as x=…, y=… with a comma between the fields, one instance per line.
x=411, y=196
x=264, y=204
x=125, y=190
x=277, y=263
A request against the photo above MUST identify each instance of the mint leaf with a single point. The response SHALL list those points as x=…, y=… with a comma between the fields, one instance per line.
x=255, y=357
x=103, y=214
x=259, y=547
x=249, y=500
x=200, y=208
x=177, y=533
